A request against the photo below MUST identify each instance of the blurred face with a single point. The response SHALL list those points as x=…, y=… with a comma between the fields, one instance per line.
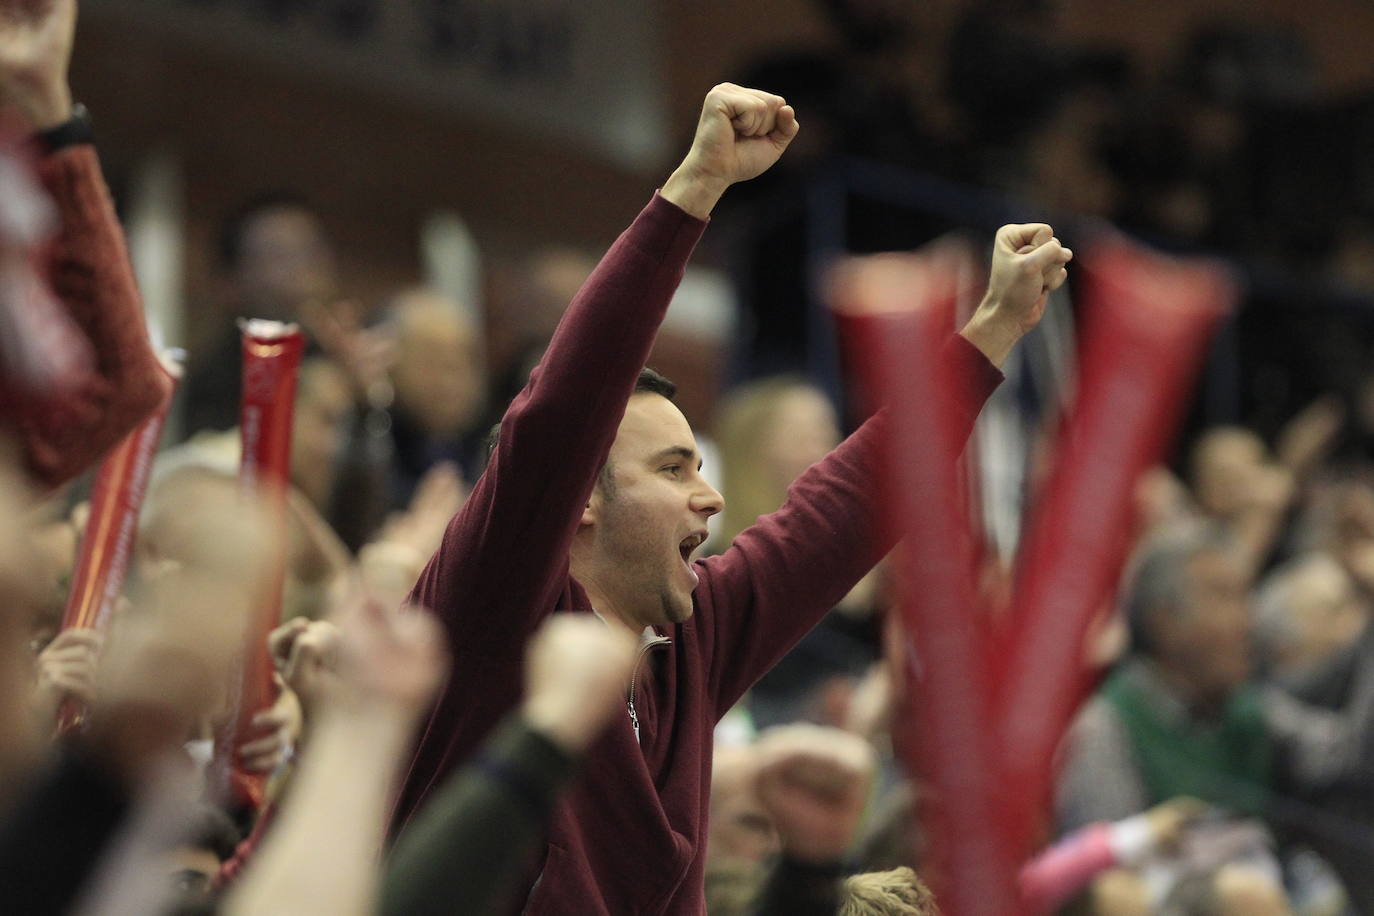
x=1223, y=467
x=739, y=829
x=438, y=371
x=1209, y=640
x=1327, y=613
x=193, y=872
x=322, y=407
x=284, y=261
x=804, y=430
x=633, y=550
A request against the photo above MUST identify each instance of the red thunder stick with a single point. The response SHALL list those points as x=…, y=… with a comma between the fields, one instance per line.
x=107, y=545
x=1146, y=324
x=894, y=318
x=271, y=358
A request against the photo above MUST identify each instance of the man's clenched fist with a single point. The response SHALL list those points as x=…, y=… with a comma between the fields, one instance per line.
x=1028, y=263
x=742, y=132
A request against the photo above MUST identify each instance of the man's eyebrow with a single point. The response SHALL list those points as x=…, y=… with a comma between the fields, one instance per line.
x=677, y=451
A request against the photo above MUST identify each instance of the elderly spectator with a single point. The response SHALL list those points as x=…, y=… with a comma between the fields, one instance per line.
x=1182, y=716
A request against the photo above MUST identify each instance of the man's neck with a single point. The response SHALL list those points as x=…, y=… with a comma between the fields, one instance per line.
x=604, y=608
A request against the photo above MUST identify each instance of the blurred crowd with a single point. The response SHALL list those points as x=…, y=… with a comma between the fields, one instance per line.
x=1224, y=764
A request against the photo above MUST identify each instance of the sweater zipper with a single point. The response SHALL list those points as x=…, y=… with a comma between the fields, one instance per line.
x=648, y=646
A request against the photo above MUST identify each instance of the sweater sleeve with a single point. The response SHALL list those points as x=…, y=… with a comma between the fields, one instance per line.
x=91, y=275
x=471, y=839
x=783, y=574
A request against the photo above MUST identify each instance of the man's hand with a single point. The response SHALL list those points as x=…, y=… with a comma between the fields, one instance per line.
x=576, y=673
x=277, y=729
x=311, y=663
x=814, y=781
x=1027, y=265
x=364, y=355
x=742, y=132
x=67, y=668
x=389, y=661
x=35, y=49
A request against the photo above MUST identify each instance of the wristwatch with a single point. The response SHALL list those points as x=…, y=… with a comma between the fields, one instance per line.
x=72, y=132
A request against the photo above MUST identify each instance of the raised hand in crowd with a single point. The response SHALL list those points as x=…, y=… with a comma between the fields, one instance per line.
x=364, y=354
x=1310, y=436
x=391, y=562
x=306, y=655
x=814, y=782
x=277, y=729
x=576, y=671
x=368, y=685
x=35, y=49
x=466, y=846
x=66, y=667
x=740, y=134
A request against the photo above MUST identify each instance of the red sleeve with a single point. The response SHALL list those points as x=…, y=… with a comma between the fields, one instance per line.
x=783, y=574
x=90, y=273
x=1052, y=878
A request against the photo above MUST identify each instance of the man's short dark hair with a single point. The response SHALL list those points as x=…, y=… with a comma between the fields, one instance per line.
x=649, y=382
x=236, y=226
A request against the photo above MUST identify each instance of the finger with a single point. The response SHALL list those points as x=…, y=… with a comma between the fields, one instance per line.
x=280, y=640
x=77, y=637
x=786, y=125
x=752, y=113
x=1046, y=256
x=260, y=747
x=1019, y=236
x=268, y=719
x=1057, y=279
x=261, y=763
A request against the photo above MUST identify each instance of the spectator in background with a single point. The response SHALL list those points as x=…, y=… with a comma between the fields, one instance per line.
x=209, y=843
x=1181, y=717
x=770, y=431
x=279, y=265
x=439, y=379
x=1307, y=615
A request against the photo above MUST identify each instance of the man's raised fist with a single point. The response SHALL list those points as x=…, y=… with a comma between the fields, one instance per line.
x=741, y=133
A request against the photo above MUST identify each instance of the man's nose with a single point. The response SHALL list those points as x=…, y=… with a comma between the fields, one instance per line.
x=708, y=501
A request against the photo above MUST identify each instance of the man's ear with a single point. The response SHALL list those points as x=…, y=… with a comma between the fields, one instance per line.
x=592, y=510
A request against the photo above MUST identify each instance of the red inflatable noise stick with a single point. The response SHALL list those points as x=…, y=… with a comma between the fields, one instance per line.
x=107, y=545
x=271, y=360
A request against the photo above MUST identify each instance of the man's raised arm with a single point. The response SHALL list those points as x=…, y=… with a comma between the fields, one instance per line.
x=507, y=548
x=784, y=573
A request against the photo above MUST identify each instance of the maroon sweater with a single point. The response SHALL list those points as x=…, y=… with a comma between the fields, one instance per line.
x=629, y=838
x=90, y=273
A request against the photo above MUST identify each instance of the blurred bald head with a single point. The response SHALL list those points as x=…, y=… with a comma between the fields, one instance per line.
x=440, y=370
